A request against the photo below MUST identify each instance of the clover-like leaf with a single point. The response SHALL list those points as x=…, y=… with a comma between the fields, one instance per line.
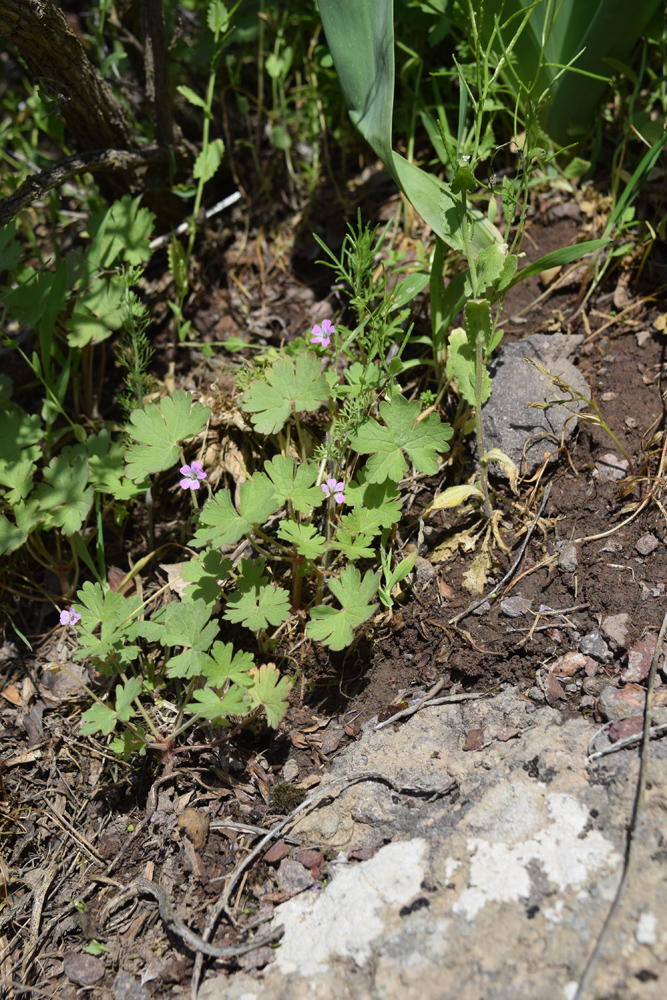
x=160, y=428
x=205, y=576
x=295, y=482
x=17, y=475
x=353, y=547
x=106, y=468
x=289, y=386
x=98, y=719
x=226, y=665
x=372, y=504
x=258, y=607
x=186, y=625
x=304, y=538
x=386, y=444
x=116, y=616
x=271, y=691
x=214, y=707
x=223, y=526
x=335, y=627
x=65, y=494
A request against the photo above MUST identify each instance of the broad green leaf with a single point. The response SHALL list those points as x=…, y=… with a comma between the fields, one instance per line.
x=461, y=367
x=335, y=627
x=125, y=695
x=65, y=494
x=10, y=253
x=223, y=526
x=17, y=475
x=258, y=607
x=160, y=428
x=590, y=29
x=271, y=691
x=360, y=36
x=304, y=537
x=97, y=312
x=28, y=517
x=225, y=665
x=375, y=505
x=19, y=431
x=217, y=17
x=106, y=467
x=386, y=444
x=205, y=576
x=353, y=547
x=295, y=482
x=127, y=229
x=116, y=615
x=290, y=386
x=185, y=625
x=212, y=706
x=208, y=161
x=98, y=719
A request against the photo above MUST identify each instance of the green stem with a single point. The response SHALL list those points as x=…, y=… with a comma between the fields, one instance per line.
x=479, y=372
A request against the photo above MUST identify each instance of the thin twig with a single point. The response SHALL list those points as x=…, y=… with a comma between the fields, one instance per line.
x=176, y=926
x=633, y=827
x=512, y=569
x=428, y=702
x=626, y=741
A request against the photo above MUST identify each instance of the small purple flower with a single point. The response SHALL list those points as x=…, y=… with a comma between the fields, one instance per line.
x=69, y=617
x=322, y=334
x=333, y=489
x=192, y=474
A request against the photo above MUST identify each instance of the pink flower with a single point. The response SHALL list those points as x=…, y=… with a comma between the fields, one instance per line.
x=333, y=489
x=69, y=617
x=192, y=474
x=322, y=334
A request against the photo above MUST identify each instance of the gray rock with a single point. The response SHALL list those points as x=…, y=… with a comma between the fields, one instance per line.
x=84, y=970
x=616, y=628
x=507, y=423
x=567, y=557
x=594, y=645
x=646, y=544
x=293, y=877
x=125, y=987
x=496, y=891
x=515, y=607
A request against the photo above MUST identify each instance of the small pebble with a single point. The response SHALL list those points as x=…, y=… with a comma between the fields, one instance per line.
x=84, y=970
x=567, y=557
x=536, y=694
x=610, y=466
x=515, y=607
x=615, y=627
x=594, y=645
x=293, y=877
x=646, y=544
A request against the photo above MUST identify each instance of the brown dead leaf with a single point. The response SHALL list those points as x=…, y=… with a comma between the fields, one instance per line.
x=553, y=689
x=11, y=695
x=474, y=739
x=195, y=825
x=446, y=591
x=176, y=582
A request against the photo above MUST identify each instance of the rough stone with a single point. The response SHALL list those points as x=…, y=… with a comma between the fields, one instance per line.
x=646, y=544
x=125, y=987
x=84, y=970
x=567, y=557
x=496, y=891
x=293, y=877
x=508, y=424
x=515, y=607
x=616, y=628
x=594, y=645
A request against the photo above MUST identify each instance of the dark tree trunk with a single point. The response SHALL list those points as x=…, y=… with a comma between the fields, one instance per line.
x=94, y=118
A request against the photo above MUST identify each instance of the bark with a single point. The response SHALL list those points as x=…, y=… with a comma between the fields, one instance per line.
x=155, y=63
x=94, y=118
